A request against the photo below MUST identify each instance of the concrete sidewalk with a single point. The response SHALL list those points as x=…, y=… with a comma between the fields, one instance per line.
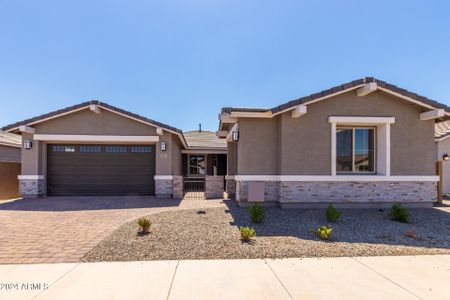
x=407, y=277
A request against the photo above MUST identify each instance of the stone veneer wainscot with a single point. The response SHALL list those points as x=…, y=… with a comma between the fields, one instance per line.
x=344, y=191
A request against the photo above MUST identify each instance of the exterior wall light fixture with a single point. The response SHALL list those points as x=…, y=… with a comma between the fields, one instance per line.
x=27, y=144
x=235, y=136
x=445, y=157
x=163, y=146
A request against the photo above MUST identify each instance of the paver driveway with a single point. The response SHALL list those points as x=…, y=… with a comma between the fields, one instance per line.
x=64, y=229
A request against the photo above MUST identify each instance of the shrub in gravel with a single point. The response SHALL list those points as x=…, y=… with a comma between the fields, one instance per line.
x=144, y=225
x=332, y=214
x=256, y=213
x=247, y=233
x=399, y=213
x=323, y=232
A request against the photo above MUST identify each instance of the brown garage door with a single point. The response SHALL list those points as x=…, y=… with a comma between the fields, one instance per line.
x=97, y=170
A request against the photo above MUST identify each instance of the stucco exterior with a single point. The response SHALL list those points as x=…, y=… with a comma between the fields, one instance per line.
x=301, y=146
x=293, y=156
x=98, y=123
x=10, y=154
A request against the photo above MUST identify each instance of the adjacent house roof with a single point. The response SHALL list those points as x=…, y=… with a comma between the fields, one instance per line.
x=343, y=88
x=10, y=139
x=204, y=139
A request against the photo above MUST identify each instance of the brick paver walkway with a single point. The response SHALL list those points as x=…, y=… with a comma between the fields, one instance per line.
x=50, y=230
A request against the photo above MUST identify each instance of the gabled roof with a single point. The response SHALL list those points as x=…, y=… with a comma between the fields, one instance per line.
x=204, y=139
x=57, y=113
x=83, y=105
x=382, y=85
x=10, y=139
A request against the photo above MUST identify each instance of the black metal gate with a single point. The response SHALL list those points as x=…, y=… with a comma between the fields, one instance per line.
x=194, y=188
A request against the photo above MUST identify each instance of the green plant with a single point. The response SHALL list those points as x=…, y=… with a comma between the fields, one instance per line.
x=399, y=213
x=247, y=233
x=144, y=224
x=323, y=232
x=256, y=213
x=332, y=214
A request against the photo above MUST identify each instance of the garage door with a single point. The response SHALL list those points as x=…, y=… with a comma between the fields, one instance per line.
x=97, y=170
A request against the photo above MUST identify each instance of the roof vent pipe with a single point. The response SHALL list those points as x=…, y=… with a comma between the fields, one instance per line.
x=200, y=127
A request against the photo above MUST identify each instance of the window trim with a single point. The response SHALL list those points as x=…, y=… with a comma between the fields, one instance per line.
x=353, y=172
x=383, y=152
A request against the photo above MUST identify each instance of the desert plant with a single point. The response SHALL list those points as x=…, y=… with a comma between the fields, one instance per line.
x=256, y=213
x=332, y=214
x=323, y=232
x=144, y=225
x=399, y=213
x=247, y=233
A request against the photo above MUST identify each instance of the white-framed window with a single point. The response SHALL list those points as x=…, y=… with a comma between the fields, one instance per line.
x=197, y=165
x=355, y=150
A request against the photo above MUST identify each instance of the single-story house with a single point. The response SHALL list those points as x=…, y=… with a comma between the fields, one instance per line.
x=10, y=145
x=362, y=143
x=95, y=149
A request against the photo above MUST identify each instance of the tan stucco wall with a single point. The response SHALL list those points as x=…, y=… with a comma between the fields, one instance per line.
x=443, y=147
x=9, y=154
x=177, y=168
x=303, y=145
x=87, y=122
x=257, y=149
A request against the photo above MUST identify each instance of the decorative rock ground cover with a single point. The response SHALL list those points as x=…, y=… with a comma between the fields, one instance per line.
x=190, y=234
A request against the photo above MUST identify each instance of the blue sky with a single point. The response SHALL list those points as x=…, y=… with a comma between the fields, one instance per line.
x=179, y=62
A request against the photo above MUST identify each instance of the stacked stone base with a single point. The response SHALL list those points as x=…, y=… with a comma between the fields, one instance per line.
x=214, y=187
x=288, y=193
x=230, y=188
x=32, y=188
x=169, y=188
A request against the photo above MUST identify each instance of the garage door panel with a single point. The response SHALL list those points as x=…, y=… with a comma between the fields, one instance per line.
x=72, y=173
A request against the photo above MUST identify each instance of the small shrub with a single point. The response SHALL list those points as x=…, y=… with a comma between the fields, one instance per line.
x=256, y=212
x=323, y=232
x=399, y=213
x=332, y=214
x=144, y=225
x=247, y=233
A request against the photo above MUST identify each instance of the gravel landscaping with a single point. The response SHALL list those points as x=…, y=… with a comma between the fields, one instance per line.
x=188, y=234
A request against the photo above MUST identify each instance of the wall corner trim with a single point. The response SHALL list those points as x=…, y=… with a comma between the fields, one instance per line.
x=30, y=177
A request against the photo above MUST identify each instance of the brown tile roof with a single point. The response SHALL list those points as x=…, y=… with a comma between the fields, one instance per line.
x=85, y=104
x=10, y=139
x=343, y=87
x=204, y=139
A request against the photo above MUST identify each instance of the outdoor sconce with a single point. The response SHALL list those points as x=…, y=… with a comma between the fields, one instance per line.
x=27, y=144
x=163, y=146
x=235, y=136
x=445, y=157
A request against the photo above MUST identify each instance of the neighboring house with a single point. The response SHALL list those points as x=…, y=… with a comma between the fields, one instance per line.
x=10, y=145
x=366, y=143
x=95, y=149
